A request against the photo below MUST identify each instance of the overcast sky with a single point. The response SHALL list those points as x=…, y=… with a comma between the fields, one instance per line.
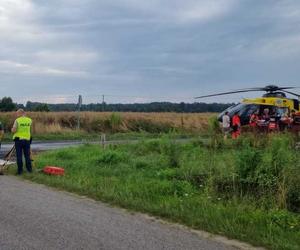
x=141, y=51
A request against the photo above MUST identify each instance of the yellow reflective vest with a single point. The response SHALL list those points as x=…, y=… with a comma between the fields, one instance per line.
x=23, y=128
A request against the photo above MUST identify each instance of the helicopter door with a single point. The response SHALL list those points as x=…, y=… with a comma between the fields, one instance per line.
x=275, y=112
x=246, y=113
x=296, y=104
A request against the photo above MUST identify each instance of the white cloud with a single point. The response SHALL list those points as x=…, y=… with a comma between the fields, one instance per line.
x=14, y=11
x=52, y=99
x=288, y=9
x=139, y=100
x=157, y=46
x=207, y=10
x=11, y=67
x=180, y=11
x=281, y=47
x=16, y=20
x=67, y=55
x=31, y=48
x=171, y=70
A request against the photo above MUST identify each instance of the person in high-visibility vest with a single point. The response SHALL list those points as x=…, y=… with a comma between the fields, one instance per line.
x=22, y=136
x=236, y=126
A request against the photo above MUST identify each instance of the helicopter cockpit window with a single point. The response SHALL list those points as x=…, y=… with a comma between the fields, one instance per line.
x=237, y=108
x=280, y=112
x=243, y=109
x=251, y=110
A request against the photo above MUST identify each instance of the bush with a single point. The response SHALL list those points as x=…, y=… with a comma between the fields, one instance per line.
x=292, y=185
x=150, y=146
x=140, y=164
x=247, y=162
x=284, y=220
x=215, y=135
x=111, y=157
x=171, y=151
x=115, y=122
x=214, y=126
x=276, y=158
x=7, y=122
x=95, y=126
x=149, y=126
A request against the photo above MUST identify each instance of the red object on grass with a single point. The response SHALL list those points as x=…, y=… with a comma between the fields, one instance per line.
x=272, y=126
x=54, y=170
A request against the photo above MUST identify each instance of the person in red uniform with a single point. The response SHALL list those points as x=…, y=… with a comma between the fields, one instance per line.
x=253, y=120
x=236, y=126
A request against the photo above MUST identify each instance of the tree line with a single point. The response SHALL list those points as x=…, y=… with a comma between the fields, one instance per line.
x=7, y=104
x=134, y=107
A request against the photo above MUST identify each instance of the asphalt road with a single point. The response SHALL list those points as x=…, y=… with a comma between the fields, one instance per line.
x=33, y=216
x=43, y=146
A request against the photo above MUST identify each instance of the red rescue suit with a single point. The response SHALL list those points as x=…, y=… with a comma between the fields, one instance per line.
x=236, y=125
x=253, y=120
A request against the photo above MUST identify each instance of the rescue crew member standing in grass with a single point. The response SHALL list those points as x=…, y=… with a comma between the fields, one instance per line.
x=226, y=124
x=22, y=137
x=236, y=126
x=253, y=121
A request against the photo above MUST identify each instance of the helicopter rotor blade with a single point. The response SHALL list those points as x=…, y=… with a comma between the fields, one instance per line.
x=284, y=88
x=227, y=93
x=252, y=89
x=268, y=89
x=291, y=93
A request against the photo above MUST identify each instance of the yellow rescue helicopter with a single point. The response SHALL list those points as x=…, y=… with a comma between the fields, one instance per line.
x=275, y=100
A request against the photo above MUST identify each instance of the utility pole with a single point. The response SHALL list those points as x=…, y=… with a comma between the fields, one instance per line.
x=103, y=135
x=78, y=111
x=103, y=103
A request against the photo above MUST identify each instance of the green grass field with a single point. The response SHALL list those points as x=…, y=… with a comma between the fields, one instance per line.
x=247, y=189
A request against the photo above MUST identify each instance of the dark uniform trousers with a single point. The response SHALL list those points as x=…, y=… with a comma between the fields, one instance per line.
x=23, y=146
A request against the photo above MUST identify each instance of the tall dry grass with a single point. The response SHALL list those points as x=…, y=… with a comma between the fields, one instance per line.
x=60, y=122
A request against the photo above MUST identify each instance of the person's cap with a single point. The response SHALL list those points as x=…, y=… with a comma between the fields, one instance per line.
x=21, y=111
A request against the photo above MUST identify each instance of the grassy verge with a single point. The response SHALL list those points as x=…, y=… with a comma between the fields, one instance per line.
x=247, y=189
